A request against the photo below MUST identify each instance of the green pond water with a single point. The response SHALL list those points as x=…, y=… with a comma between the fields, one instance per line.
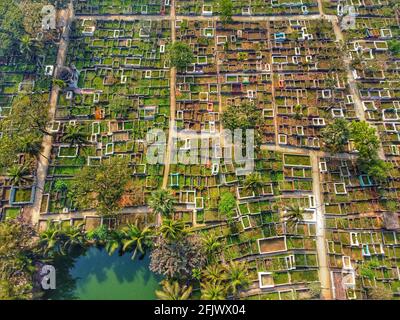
x=94, y=275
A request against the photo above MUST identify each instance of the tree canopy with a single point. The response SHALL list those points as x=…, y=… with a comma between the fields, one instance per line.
x=226, y=10
x=23, y=129
x=244, y=116
x=101, y=187
x=180, y=55
x=336, y=135
x=18, y=243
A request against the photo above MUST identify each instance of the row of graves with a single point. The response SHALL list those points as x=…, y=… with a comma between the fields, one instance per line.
x=362, y=228
x=248, y=8
x=232, y=67
x=123, y=7
x=281, y=256
x=376, y=69
x=310, y=82
x=370, y=8
x=22, y=75
x=118, y=90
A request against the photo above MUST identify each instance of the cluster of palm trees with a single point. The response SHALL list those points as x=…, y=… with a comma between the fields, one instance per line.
x=59, y=239
x=217, y=282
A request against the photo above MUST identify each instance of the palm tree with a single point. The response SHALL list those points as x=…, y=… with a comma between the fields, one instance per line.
x=237, y=276
x=74, y=236
x=253, y=182
x=211, y=245
x=25, y=46
x=113, y=242
x=212, y=291
x=74, y=135
x=162, y=203
x=293, y=214
x=50, y=238
x=134, y=237
x=19, y=175
x=29, y=144
x=172, y=229
x=214, y=273
x=173, y=291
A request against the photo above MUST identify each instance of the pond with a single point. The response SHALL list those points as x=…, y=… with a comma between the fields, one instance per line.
x=94, y=275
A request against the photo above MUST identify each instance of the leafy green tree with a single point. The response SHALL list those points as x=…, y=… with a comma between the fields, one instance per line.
x=171, y=290
x=162, y=202
x=136, y=239
x=336, y=135
x=23, y=128
x=377, y=169
x=212, y=291
x=394, y=47
x=244, y=116
x=367, y=144
x=11, y=26
x=180, y=55
x=365, y=139
x=101, y=187
x=227, y=204
x=226, y=10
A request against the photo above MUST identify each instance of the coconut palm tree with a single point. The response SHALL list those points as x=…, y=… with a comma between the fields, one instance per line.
x=172, y=229
x=50, y=238
x=212, y=291
x=293, y=214
x=113, y=242
x=30, y=144
x=74, y=135
x=211, y=245
x=75, y=237
x=171, y=290
x=26, y=46
x=134, y=237
x=162, y=203
x=237, y=276
x=253, y=182
x=214, y=273
x=19, y=175
x=98, y=235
